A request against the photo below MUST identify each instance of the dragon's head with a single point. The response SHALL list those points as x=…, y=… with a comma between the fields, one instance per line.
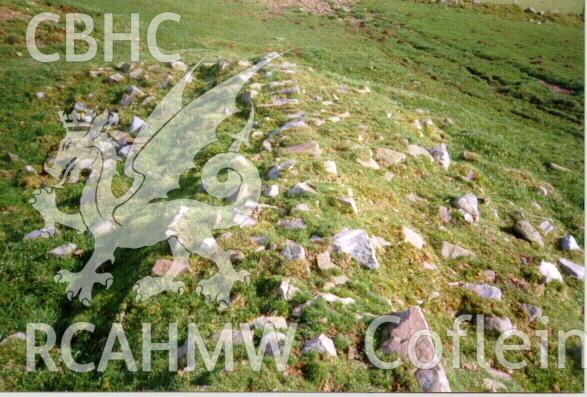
x=78, y=149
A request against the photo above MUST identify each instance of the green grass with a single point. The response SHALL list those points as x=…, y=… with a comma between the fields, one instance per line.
x=486, y=67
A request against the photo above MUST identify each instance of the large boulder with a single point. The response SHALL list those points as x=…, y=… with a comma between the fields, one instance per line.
x=396, y=337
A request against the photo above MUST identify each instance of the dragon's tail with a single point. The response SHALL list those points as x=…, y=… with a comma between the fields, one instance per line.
x=242, y=186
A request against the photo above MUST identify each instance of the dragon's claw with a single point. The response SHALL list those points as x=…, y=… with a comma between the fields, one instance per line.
x=81, y=284
x=217, y=288
x=149, y=286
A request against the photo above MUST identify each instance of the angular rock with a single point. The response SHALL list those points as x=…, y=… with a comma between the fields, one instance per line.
x=533, y=312
x=330, y=167
x=468, y=205
x=310, y=148
x=137, y=74
x=413, y=238
x=124, y=67
x=483, y=290
x=452, y=251
x=389, y=157
x=290, y=125
x=356, y=243
x=324, y=262
x=321, y=344
x=162, y=266
x=301, y=188
x=546, y=227
x=325, y=296
x=293, y=251
x=136, y=124
x=115, y=78
x=287, y=290
x=350, y=203
x=396, y=339
x=550, y=272
x=178, y=65
x=291, y=224
x=272, y=191
x=64, y=250
x=370, y=163
x=335, y=281
x=499, y=324
x=494, y=386
x=45, y=232
x=568, y=243
x=444, y=214
x=526, y=231
x=272, y=343
x=277, y=322
x=440, y=154
x=303, y=207
x=571, y=269
x=419, y=151
x=274, y=172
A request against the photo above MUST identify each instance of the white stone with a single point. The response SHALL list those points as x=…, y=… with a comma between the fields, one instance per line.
x=413, y=238
x=272, y=191
x=321, y=344
x=550, y=272
x=356, y=243
x=330, y=167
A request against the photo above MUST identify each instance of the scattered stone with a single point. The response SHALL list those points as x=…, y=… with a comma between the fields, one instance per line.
x=429, y=266
x=321, y=344
x=40, y=95
x=389, y=176
x=419, y=151
x=483, y=290
x=526, y=231
x=303, y=207
x=499, y=374
x=274, y=172
x=29, y=169
x=547, y=227
x=124, y=67
x=379, y=243
x=237, y=257
x=162, y=266
x=115, y=78
x=571, y=269
x=287, y=290
x=413, y=238
x=137, y=74
x=14, y=336
x=336, y=281
x=277, y=322
x=550, y=272
x=396, y=339
x=452, y=251
x=468, y=205
x=356, y=243
x=350, y=203
x=444, y=214
x=129, y=96
x=323, y=261
x=45, y=232
x=389, y=157
x=330, y=167
x=178, y=65
x=499, y=324
x=311, y=148
x=542, y=191
x=489, y=275
x=325, y=296
x=292, y=224
x=301, y=188
x=471, y=156
x=440, y=155
x=491, y=385
x=293, y=251
x=266, y=146
x=417, y=124
x=272, y=191
x=568, y=243
x=136, y=124
x=370, y=163
x=557, y=167
x=64, y=250
x=272, y=343
x=533, y=312
x=13, y=158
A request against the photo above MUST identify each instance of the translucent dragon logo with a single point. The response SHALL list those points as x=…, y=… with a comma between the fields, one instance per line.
x=162, y=151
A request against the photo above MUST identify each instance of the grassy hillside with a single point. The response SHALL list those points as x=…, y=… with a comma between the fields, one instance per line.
x=493, y=81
